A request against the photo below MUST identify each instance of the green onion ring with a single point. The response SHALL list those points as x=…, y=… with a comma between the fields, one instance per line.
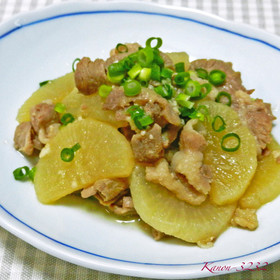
x=67, y=118
x=214, y=124
x=193, y=88
x=203, y=110
x=146, y=57
x=204, y=91
x=225, y=94
x=21, y=173
x=181, y=78
x=230, y=135
x=202, y=73
x=121, y=48
x=104, y=90
x=158, y=44
x=116, y=69
x=74, y=64
x=132, y=88
x=67, y=154
x=217, y=77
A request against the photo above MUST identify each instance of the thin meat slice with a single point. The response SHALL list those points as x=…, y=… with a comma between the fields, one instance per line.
x=154, y=105
x=23, y=138
x=170, y=135
x=167, y=114
x=116, y=100
x=245, y=218
x=233, y=79
x=106, y=191
x=161, y=174
x=257, y=115
x=124, y=206
x=46, y=133
x=189, y=160
x=89, y=75
x=147, y=146
x=116, y=56
x=42, y=115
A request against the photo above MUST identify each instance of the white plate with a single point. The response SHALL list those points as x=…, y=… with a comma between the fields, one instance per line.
x=41, y=45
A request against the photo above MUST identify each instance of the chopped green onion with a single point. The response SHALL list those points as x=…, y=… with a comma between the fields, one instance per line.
x=221, y=95
x=145, y=74
x=138, y=116
x=74, y=64
x=158, y=59
x=116, y=69
x=197, y=115
x=158, y=42
x=132, y=88
x=218, y=124
x=155, y=72
x=166, y=73
x=121, y=48
x=183, y=100
x=193, y=88
x=76, y=147
x=181, y=78
x=128, y=62
x=164, y=90
x=31, y=173
x=67, y=118
x=132, y=58
x=144, y=83
x=67, y=154
x=204, y=91
x=180, y=67
x=104, y=90
x=146, y=57
x=143, y=121
x=44, y=83
x=59, y=107
x=191, y=113
x=227, y=140
x=134, y=71
x=185, y=112
x=115, y=79
x=203, y=110
x=202, y=73
x=21, y=173
x=135, y=111
x=217, y=77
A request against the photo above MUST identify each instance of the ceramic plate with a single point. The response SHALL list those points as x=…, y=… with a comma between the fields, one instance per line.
x=40, y=46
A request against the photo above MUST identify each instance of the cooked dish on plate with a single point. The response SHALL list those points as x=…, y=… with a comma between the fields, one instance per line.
x=183, y=145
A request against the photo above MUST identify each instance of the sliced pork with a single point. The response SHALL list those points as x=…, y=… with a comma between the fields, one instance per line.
x=106, y=191
x=23, y=138
x=161, y=174
x=147, y=146
x=189, y=160
x=89, y=75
